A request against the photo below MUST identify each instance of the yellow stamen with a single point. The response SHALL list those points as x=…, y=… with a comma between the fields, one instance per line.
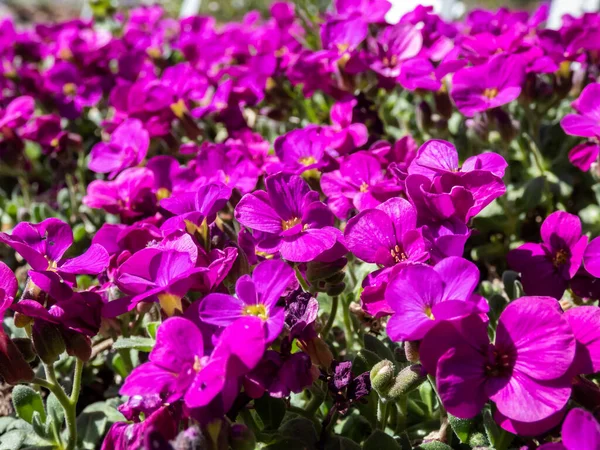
x=170, y=303
x=256, y=310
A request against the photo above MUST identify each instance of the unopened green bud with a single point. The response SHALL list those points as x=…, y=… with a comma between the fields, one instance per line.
x=47, y=341
x=382, y=377
x=478, y=439
x=407, y=380
x=411, y=348
x=241, y=437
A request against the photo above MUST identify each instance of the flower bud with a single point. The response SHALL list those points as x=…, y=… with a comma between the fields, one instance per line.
x=241, y=437
x=25, y=346
x=21, y=320
x=382, y=377
x=78, y=345
x=411, y=348
x=407, y=380
x=423, y=116
x=47, y=341
x=318, y=350
x=13, y=367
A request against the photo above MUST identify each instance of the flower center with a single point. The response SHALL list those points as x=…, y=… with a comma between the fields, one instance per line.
x=259, y=311
x=307, y=160
x=287, y=224
x=163, y=193
x=170, y=303
x=560, y=258
x=343, y=47
x=490, y=93
x=500, y=363
x=428, y=312
x=398, y=254
x=364, y=187
x=392, y=61
x=69, y=89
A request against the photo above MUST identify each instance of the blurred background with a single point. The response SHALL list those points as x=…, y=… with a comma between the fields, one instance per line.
x=224, y=10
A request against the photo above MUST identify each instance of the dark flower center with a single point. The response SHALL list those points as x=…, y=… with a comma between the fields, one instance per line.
x=499, y=362
x=398, y=254
x=560, y=258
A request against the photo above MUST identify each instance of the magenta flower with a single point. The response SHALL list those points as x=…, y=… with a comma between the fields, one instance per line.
x=489, y=85
x=586, y=123
x=394, y=45
x=301, y=150
x=591, y=257
x=585, y=323
x=346, y=135
x=256, y=296
x=180, y=368
x=127, y=148
x=192, y=208
x=344, y=35
x=546, y=268
x=525, y=372
x=437, y=157
x=294, y=222
x=43, y=245
x=580, y=431
x=359, y=183
x=129, y=195
x=387, y=235
x=421, y=295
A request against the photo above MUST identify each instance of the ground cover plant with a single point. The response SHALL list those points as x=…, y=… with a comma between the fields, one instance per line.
x=312, y=230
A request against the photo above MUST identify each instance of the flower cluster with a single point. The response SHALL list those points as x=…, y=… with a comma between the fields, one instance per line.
x=312, y=230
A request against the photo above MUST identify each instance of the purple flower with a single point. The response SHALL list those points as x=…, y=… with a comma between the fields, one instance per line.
x=394, y=45
x=16, y=114
x=453, y=196
x=127, y=148
x=546, y=268
x=129, y=195
x=345, y=388
x=294, y=222
x=43, y=245
x=591, y=257
x=47, y=131
x=344, y=35
x=359, y=183
x=580, y=431
x=373, y=11
x=437, y=157
x=180, y=368
x=585, y=323
x=301, y=311
x=525, y=372
x=192, y=208
x=387, y=235
x=585, y=124
x=422, y=295
x=489, y=85
x=301, y=150
x=256, y=296
x=228, y=165
x=345, y=134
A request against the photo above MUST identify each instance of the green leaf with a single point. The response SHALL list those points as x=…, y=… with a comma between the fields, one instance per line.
x=39, y=426
x=79, y=232
x=364, y=361
x=270, y=410
x=27, y=401
x=151, y=328
x=300, y=429
x=91, y=426
x=532, y=195
x=341, y=443
x=379, y=348
x=433, y=445
x=381, y=441
x=55, y=410
x=461, y=427
x=12, y=440
x=357, y=428
x=119, y=365
x=142, y=344
x=286, y=444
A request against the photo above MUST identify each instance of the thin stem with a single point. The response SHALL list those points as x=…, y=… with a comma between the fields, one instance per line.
x=76, y=381
x=334, y=307
x=315, y=402
x=348, y=326
x=504, y=440
x=301, y=279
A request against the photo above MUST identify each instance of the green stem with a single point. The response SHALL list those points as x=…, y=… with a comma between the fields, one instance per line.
x=348, y=326
x=301, y=279
x=315, y=402
x=76, y=381
x=334, y=307
x=504, y=440
x=68, y=404
x=382, y=413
